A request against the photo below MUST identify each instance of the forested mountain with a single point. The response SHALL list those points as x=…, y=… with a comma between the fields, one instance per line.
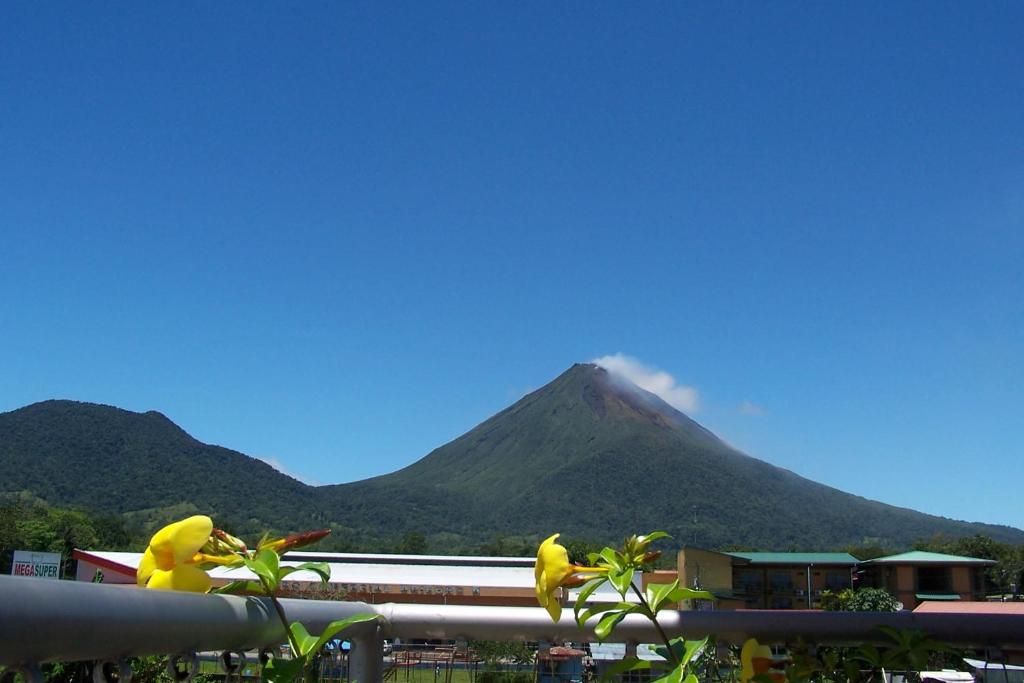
x=97, y=457
x=547, y=463
x=556, y=458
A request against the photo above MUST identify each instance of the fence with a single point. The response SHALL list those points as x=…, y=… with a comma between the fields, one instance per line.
x=43, y=621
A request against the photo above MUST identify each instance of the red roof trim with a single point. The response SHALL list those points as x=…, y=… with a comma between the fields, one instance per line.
x=110, y=565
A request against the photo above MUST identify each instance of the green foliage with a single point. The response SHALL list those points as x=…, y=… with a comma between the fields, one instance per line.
x=504, y=677
x=867, y=551
x=144, y=670
x=496, y=655
x=266, y=565
x=617, y=567
x=502, y=661
x=893, y=651
x=29, y=525
x=859, y=600
x=413, y=543
x=501, y=545
x=99, y=458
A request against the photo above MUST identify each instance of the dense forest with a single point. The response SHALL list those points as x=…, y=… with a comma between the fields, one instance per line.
x=27, y=524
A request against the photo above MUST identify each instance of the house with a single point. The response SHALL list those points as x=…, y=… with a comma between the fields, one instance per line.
x=918, y=576
x=711, y=571
x=789, y=580
x=756, y=580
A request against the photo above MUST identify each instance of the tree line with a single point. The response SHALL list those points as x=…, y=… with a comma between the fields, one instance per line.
x=28, y=524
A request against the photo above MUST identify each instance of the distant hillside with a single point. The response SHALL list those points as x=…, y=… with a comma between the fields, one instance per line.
x=98, y=457
x=544, y=464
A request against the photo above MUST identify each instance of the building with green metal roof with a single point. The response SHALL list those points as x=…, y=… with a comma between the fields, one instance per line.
x=776, y=580
x=797, y=559
x=767, y=580
x=918, y=576
x=922, y=557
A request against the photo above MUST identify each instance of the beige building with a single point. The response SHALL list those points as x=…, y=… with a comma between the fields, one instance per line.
x=916, y=577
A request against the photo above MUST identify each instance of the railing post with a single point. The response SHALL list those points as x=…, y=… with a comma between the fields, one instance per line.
x=366, y=659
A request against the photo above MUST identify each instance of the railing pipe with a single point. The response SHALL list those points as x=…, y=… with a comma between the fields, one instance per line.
x=366, y=657
x=44, y=621
x=770, y=626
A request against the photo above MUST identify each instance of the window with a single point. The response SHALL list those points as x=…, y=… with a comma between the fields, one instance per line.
x=837, y=580
x=934, y=580
x=779, y=602
x=977, y=580
x=781, y=581
x=749, y=581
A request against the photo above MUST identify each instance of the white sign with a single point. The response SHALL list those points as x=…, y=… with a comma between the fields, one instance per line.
x=39, y=565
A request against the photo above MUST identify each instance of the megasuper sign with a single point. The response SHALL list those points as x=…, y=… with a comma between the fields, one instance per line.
x=39, y=565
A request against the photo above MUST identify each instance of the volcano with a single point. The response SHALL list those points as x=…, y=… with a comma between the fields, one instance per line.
x=593, y=455
x=589, y=454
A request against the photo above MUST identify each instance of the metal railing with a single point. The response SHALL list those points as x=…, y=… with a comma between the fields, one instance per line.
x=43, y=621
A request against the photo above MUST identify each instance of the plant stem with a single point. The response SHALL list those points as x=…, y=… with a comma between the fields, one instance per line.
x=654, y=619
x=284, y=620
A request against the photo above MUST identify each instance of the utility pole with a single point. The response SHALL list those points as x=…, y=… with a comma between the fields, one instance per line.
x=694, y=525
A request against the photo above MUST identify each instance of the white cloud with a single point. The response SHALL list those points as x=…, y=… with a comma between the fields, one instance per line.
x=279, y=466
x=658, y=382
x=748, y=408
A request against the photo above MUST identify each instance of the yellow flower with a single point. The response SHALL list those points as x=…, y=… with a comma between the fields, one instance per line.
x=552, y=571
x=169, y=562
x=757, y=659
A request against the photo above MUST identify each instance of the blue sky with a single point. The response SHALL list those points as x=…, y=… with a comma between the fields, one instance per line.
x=339, y=235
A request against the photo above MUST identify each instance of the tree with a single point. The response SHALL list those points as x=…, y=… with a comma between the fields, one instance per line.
x=34, y=526
x=414, y=543
x=860, y=600
x=1009, y=560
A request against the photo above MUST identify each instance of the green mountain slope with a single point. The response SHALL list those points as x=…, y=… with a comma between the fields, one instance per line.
x=102, y=458
x=547, y=463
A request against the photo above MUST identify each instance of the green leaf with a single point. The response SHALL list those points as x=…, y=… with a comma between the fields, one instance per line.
x=621, y=580
x=284, y=670
x=657, y=593
x=235, y=587
x=302, y=638
x=322, y=569
x=673, y=676
x=270, y=559
x=588, y=589
x=677, y=647
x=624, y=665
x=263, y=572
x=340, y=625
x=682, y=649
x=647, y=539
x=693, y=648
x=607, y=623
x=691, y=678
x=612, y=559
x=689, y=594
x=625, y=607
